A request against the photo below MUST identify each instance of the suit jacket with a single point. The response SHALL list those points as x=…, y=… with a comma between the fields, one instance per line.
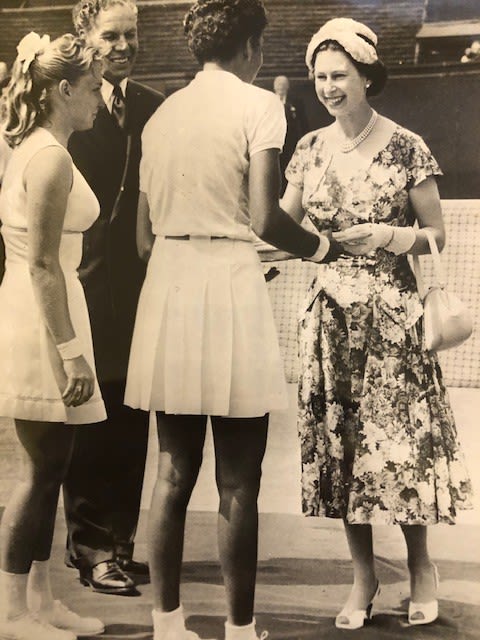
x=296, y=128
x=111, y=271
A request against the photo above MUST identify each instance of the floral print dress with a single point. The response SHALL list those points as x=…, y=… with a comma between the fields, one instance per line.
x=378, y=438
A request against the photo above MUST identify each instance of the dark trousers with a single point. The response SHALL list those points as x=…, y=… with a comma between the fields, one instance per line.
x=103, y=487
x=2, y=258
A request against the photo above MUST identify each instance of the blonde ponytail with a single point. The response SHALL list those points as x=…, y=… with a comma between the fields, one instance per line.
x=39, y=66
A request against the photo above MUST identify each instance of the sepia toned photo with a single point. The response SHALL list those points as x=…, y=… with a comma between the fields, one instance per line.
x=239, y=301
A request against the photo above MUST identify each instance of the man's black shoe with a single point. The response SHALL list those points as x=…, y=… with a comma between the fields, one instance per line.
x=108, y=577
x=132, y=566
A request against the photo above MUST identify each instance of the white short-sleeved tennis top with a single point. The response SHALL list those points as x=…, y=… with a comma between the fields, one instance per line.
x=196, y=150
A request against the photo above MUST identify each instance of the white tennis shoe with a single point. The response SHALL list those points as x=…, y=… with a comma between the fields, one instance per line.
x=61, y=617
x=29, y=627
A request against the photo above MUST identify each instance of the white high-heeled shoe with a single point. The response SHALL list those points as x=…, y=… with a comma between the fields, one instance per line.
x=424, y=612
x=357, y=618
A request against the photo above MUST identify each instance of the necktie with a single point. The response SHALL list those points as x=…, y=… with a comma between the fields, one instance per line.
x=119, y=110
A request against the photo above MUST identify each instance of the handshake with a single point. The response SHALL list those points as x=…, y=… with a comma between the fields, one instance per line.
x=358, y=240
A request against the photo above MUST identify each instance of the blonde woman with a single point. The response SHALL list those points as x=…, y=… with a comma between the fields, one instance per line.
x=47, y=379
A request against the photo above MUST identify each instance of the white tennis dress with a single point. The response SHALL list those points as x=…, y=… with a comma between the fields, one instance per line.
x=28, y=389
x=205, y=341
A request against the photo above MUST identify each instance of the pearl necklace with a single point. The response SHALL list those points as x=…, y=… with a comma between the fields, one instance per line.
x=350, y=145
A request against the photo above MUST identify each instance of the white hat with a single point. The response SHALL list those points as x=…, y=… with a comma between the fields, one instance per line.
x=348, y=33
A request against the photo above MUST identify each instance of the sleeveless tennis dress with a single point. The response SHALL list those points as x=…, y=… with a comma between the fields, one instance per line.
x=28, y=389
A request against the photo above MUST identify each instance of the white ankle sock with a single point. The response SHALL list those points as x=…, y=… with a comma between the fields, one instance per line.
x=245, y=632
x=39, y=588
x=13, y=595
x=167, y=624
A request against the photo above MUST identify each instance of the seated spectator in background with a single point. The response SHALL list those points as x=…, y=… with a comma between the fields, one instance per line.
x=296, y=125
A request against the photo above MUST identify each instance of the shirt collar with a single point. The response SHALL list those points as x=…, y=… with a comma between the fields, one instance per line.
x=107, y=91
x=217, y=74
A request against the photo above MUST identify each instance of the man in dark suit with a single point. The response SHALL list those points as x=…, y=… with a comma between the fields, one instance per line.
x=5, y=152
x=296, y=125
x=103, y=488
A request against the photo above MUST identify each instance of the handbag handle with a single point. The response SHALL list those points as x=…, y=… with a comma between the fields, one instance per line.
x=437, y=266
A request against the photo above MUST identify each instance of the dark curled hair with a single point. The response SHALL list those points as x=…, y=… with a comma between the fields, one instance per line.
x=216, y=29
x=375, y=72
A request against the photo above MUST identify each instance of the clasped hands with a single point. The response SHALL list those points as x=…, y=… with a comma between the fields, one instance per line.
x=358, y=240
x=364, y=238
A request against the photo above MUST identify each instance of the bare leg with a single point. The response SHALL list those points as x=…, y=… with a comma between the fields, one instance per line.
x=239, y=447
x=359, y=538
x=181, y=440
x=422, y=578
x=28, y=521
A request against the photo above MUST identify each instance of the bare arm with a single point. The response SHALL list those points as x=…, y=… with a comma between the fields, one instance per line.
x=48, y=179
x=425, y=201
x=145, y=237
x=270, y=222
x=292, y=203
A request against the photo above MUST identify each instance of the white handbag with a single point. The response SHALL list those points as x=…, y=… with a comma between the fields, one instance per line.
x=447, y=321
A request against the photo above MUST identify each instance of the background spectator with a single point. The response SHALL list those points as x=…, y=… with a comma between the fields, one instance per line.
x=296, y=122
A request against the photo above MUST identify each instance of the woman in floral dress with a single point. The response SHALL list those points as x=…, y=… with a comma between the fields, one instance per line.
x=378, y=439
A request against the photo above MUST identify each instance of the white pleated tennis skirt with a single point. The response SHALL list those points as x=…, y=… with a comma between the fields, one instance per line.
x=205, y=341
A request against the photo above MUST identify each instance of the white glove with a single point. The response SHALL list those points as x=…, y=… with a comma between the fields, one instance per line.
x=402, y=241
x=362, y=239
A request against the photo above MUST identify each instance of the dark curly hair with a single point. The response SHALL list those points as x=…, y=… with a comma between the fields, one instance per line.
x=85, y=11
x=216, y=29
x=375, y=72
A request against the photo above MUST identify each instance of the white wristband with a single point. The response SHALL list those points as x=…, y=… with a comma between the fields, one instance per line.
x=402, y=240
x=70, y=350
x=322, y=250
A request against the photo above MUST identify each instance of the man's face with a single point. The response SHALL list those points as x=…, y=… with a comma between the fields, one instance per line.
x=114, y=34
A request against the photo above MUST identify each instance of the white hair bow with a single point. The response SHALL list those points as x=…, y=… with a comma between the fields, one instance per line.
x=29, y=47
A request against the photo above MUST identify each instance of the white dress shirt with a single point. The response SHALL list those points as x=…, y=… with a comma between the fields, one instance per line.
x=107, y=91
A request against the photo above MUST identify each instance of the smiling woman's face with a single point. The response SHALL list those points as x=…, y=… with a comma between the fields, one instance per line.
x=114, y=34
x=338, y=84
